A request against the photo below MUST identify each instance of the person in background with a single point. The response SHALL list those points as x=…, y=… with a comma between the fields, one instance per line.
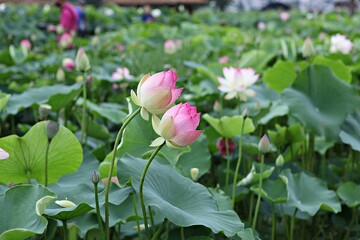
x=68, y=17
x=81, y=17
x=146, y=16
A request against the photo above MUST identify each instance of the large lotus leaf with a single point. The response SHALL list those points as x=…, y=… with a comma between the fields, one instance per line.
x=337, y=66
x=350, y=131
x=182, y=201
x=349, y=192
x=21, y=210
x=282, y=74
x=110, y=111
x=247, y=234
x=320, y=101
x=136, y=141
x=27, y=155
x=273, y=190
x=57, y=95
x=4, y=98
x=309, y=194
x=277, y=109
x=230, y=126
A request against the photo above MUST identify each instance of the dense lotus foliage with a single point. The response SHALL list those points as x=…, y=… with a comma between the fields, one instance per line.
x=214, y=125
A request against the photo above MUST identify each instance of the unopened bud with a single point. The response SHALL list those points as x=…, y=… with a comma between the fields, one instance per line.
x=308, y=48
x=279, y=161
x=217, y=106
x=51, y=129
x=82, y=61
x=95, y=178
x=264, y=145
x=194, y=173
x=60, y=75
x=245, y=113
x=44, y=111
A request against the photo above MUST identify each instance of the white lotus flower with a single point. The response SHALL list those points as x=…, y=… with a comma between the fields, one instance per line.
x=339, y=43
x=122, y=73
x=237, y=82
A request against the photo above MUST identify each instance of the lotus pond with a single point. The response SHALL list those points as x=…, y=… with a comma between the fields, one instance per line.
x=205, y=126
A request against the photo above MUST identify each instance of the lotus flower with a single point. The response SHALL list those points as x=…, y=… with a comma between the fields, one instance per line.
x=3, y=154
x=156, y=93
x=339, y=43
x=68, y=64
x=171, y=46
x=82, y=61
x=224, y=59
x=261, y=26
x=237, y=82
x=284, y=16
x=66, y=40
x=26, y=43
x=177, y=126
x=221, y=146
x=121, y=73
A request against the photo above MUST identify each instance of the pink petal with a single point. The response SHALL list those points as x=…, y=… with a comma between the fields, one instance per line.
x=175, y=94
x=157, y=98
x=186, y=138
x=172, y=112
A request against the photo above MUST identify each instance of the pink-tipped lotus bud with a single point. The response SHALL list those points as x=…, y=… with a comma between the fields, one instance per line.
x=82, y=61
x=264, y=145
x=95, y=178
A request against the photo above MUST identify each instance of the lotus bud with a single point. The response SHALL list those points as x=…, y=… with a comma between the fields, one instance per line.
x=51, y=129
x=65, y=203
x=60, y=75
x=194, y=173
x=44, y=111
x=95, y=178
x=217, y=106
x=264, y=145
x=279, y=161
x=82, y=61
x=308, y=48
x=245, y=113
x=3, y=154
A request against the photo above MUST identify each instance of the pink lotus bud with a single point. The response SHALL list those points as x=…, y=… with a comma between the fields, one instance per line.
x=65, y=40
x=221, y=146
x=68, y=64
x=261, y=26
x=170, y=46
x=82, y=61
x=3, y=154
x=264, y=145
x=177, y=126
x=95, y=178
x=26, y=43
x=284, y=16
x=156, y=93
x=224, y=59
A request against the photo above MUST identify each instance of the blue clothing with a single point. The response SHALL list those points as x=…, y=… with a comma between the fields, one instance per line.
x=81, y=19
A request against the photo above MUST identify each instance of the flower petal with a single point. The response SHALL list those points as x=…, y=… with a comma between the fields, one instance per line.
x=186, y=138
x=157, y=142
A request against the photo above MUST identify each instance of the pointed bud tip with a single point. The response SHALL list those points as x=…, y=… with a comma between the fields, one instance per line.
x=264, y=144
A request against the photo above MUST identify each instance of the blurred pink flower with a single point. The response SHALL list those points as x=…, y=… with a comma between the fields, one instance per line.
x=171, y=46
x=237, y=82
x=284, y=16
x=3, y=154
x=120, y=47
x=156, y=93
x=121, y=73
x=261, y=26
x=115, y=86
x=224, y=59
x=339, y=43
x=68, y=64
x=221, y=146
x=177, y=126
x=26, y=43
x=65, y=40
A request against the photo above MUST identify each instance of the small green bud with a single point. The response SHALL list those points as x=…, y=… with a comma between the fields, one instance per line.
x=82, y=61
x=44, y=111
x=60, y=75
x=95, y=178
x=51, y=129
x=308, y=48
x=245, y=113
x=264, y=145
x=279, y=161
x=194, y=173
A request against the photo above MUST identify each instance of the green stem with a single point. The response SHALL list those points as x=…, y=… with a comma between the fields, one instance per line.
x=167, y=230
x=238, y=164
x=259, y=194
x=353, y=217
x=98, y=211
x=47, y=162
x=153, y=227
x=142, y=179
x=285, y=220
x=83, y=121
x=137, y=217
x=227, y=164
x=273, y=227
x=157, y=233
x=251, y=206
x=292, y=224
x=182, y=233
x=117, y=140
x=65, y=230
